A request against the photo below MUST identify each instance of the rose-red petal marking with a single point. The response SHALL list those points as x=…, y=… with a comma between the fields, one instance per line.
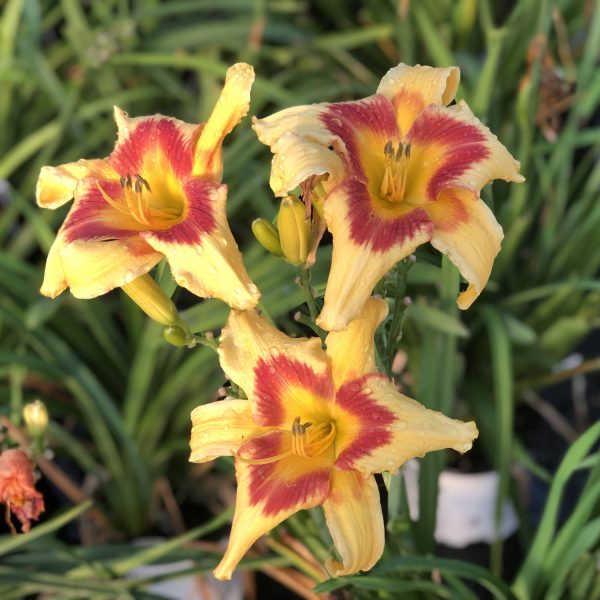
x=90, y=218
x=374, y=115
x=374, y=421
x=149, y=135
x=199, y=219
x=273, y=484
x=464, y=146
x=271, y=378
x=367, y=227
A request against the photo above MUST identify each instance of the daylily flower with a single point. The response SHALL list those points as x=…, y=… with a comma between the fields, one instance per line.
x=158, y=194
x=17, y=489
x=316, y=426
x=395, y=170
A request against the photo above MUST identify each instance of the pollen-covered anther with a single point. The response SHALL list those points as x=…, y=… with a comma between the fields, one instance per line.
x=393, y=183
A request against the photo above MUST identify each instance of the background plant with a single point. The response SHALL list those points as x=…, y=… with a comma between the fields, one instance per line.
x=119, y=398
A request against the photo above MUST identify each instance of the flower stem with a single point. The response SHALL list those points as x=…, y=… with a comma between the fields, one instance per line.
x=295, y=559
x=395, y=330
x=310, y=301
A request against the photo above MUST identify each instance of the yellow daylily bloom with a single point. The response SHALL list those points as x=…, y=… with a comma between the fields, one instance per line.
x=158, y=194
x=399, y=168
x=316, y=426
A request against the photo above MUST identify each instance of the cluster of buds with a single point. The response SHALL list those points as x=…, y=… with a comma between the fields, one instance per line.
x=291, y=237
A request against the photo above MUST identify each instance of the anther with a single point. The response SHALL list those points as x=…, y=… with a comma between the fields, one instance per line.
x=143, y=182
x=399, y=151
x=407, y=150
x=137, y=187
x=388, y=149
x=123, y=181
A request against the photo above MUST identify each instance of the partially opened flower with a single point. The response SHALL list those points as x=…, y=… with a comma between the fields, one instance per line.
x=395, y=170
x=158, y=194
x=17, y=489
x=316, y=426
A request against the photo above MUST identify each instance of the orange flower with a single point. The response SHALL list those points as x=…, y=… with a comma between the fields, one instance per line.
x=17, y=489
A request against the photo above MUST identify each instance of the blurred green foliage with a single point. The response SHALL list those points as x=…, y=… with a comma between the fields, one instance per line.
x=120, y=398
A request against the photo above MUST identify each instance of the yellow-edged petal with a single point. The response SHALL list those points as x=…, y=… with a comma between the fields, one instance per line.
x=56, y=185
x=220, y=428
x=231, y=107
x=283, y=377
x=411, y=89
x=267, y=494
x=365, y=247
x=202, y=253
x=451, y=147
x=352, y=350
x=92, y=268
x=379, y=428
x=466, y=231
x=354, y=518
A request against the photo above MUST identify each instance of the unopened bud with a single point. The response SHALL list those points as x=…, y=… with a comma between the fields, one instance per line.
x=294, y=230
x=149, y=296
x=268, y=236
x=178, y=336
x=35, y=416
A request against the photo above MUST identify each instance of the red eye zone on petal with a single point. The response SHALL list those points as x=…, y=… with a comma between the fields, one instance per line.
x=372, y=428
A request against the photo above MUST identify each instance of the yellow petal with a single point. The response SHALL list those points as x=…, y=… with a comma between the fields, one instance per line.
x=201, y=250
x=92, y=268
x=127, y=125
x=56, y=185
x=354, y=519
x=412, y=88
x=352, y=350
x=379, y=428
x=300, y=144
x=231, y=107
x=466, y=231
x=268, y=494
x=220, y=428
x=55, y=281
x=365, y=247
x=283, y=377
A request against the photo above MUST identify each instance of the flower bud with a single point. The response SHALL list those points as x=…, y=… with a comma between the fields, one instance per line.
x=178, y=335
x=35, y=415
x=148, y=295
x=268, y=236
x=294, y=230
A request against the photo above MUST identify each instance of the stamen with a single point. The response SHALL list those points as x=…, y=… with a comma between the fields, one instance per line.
x=393, y=182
